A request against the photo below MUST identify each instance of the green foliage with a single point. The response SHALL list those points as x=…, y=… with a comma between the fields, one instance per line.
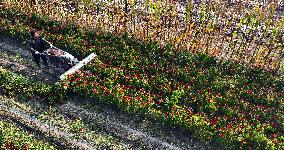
x=18, y=86
x=180, y=85
x=12, y=137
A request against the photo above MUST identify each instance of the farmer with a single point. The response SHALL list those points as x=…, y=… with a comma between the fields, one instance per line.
x=38, y=46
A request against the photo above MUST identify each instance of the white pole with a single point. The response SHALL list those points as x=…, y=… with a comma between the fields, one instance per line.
x=78, y=66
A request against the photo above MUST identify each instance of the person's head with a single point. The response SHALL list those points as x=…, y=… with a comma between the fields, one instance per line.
x=35, y=34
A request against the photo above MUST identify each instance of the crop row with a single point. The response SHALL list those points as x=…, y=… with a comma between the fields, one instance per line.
x=13, y=138
x=13, y=85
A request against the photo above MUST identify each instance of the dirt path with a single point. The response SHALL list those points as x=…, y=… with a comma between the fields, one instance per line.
x=81, y=123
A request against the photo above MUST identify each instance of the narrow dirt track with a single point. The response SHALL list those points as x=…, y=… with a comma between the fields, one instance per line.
x=127, y=131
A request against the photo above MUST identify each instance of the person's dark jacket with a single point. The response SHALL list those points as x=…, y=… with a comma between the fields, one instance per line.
x=39, y=45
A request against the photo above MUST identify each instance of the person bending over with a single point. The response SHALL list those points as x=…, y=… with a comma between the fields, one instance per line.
x=38, y=47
